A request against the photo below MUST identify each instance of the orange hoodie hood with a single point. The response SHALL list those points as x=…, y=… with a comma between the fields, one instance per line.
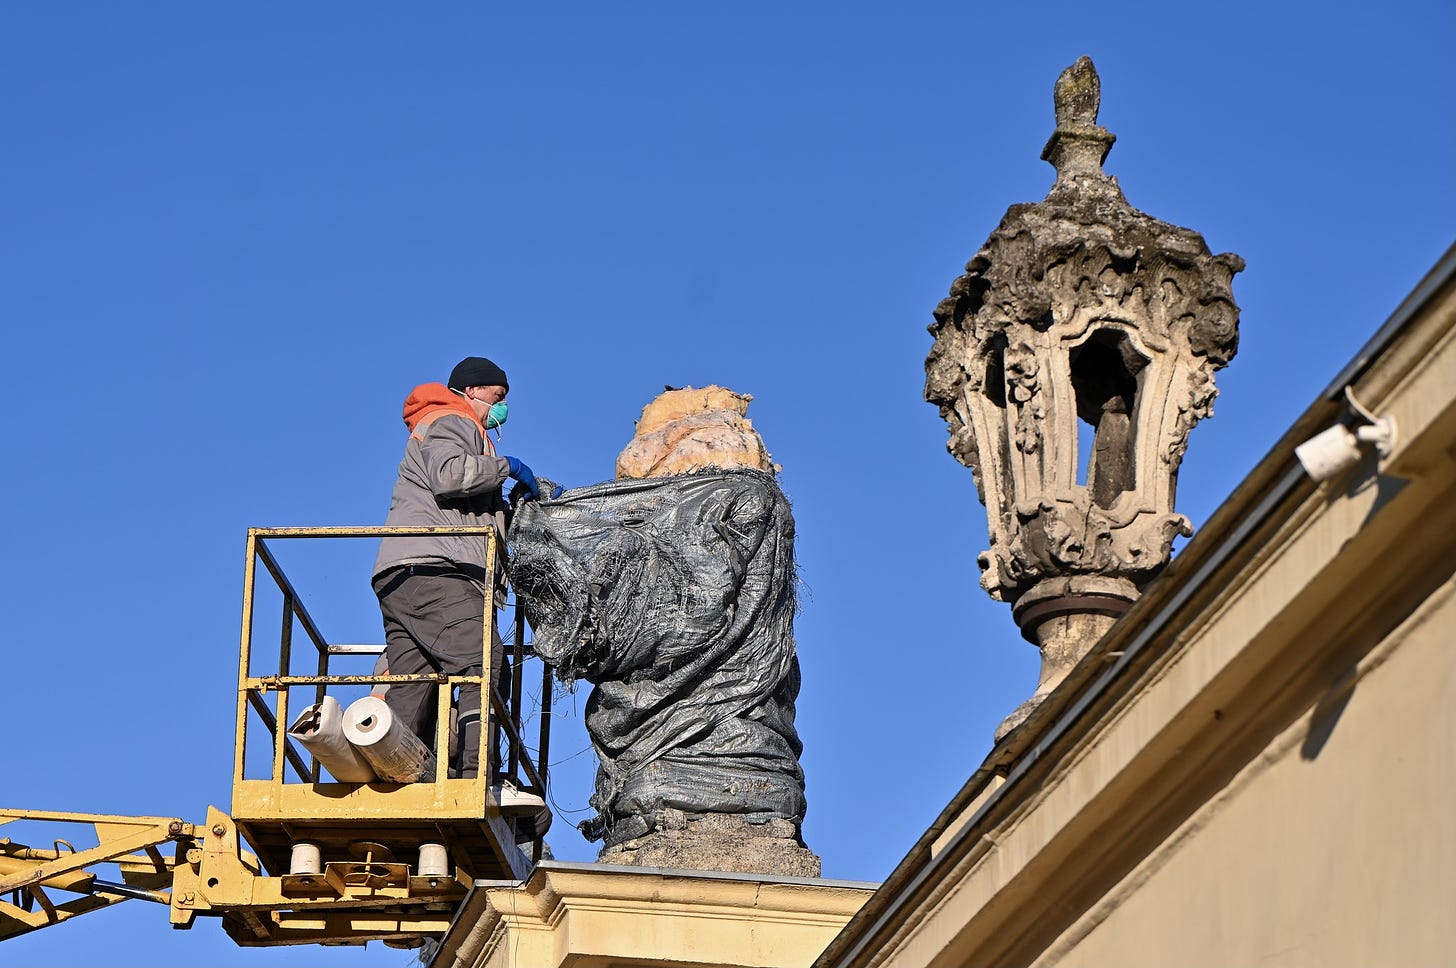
x=429, y=399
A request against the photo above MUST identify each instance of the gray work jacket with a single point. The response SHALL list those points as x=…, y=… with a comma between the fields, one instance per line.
x=450, y=475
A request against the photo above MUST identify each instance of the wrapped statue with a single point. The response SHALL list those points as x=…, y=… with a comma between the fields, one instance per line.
x=671, y=590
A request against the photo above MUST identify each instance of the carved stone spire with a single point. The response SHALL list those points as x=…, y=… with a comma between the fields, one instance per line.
x=1079, y=145
x=1079, y=310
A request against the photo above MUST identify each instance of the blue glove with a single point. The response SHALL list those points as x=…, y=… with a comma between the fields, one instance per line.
x=519, y=471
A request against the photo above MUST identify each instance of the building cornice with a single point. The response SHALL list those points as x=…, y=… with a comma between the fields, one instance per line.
x=596, y=914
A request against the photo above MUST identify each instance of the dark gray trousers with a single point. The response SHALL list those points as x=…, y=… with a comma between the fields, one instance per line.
x=433, y=623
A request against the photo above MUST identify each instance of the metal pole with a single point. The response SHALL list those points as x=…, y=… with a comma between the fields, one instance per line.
x=518, y=656
x=543, y=754
x=243, y=657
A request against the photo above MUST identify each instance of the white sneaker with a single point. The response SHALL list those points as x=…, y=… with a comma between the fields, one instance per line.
x=515, y=802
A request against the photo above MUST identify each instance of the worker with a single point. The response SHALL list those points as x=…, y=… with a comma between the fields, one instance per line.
x=432, y=588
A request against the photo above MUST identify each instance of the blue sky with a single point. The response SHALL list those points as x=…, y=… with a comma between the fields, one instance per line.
x=232, y=237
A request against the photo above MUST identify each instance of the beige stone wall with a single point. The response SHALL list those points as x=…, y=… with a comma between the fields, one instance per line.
x=1334, y=853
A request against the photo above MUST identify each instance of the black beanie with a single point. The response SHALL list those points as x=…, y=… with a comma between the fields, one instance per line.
x=477, y=371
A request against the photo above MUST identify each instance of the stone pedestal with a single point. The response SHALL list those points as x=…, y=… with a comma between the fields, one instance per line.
x=718, y=842
x=1064, y=617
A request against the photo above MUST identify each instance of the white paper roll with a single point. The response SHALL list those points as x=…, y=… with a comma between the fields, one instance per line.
x=396, y=754
x=320, y=730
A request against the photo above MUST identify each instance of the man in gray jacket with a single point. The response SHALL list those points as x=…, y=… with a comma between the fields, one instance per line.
x=432, y=588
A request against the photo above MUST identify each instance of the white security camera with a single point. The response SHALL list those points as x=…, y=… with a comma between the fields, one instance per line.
x=1334, y=451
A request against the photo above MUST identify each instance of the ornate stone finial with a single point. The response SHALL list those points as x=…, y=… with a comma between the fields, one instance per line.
x=1079, y=311
x=1079, y=145
x=1078, y=94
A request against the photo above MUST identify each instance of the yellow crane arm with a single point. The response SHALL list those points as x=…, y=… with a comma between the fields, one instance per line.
x=372, y=897
x=28, y=874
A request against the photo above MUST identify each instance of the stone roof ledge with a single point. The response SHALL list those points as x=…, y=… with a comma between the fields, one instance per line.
x=599, y=915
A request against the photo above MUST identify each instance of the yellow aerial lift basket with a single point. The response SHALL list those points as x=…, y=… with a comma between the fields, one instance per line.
x=294, y=805
x=303, y=858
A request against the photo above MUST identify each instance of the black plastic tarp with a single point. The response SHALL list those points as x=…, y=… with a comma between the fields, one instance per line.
x=675, y=598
